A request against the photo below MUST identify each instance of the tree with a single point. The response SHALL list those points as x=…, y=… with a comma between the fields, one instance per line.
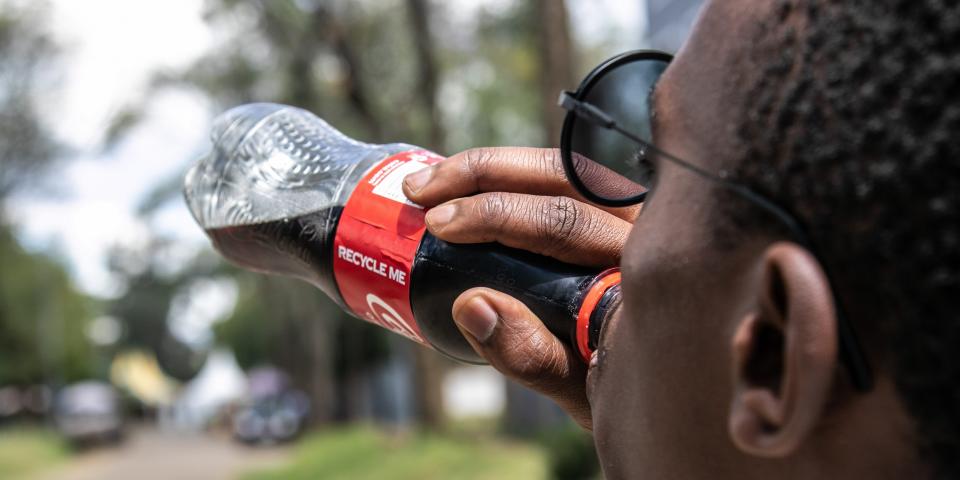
x=144, y=307
x=556, y=64
x=428, y=365
x=419, y=12
x=28, y=54
x=43, y=320
x=286, y=323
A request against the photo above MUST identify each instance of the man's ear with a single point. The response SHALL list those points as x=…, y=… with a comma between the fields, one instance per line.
x=785, y=355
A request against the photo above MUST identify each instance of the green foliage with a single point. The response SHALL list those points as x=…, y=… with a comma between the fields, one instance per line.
x=24, y=451
x=273, y=318
x=571, y=454
x=144, y=308
x=354, y=64
x=364, y=453
x=43, y=319
x=250, y=331
x=26, y=52
x=494, y=76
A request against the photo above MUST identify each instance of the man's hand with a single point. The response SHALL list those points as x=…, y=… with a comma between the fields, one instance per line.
x=521, y=198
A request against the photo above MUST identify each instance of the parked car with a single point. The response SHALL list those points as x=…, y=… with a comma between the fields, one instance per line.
x=89, y=412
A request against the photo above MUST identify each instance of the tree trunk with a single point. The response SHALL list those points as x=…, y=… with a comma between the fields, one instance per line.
x=428, y=388
x=321, y=383
x=556, y=64
x=327, y=28
x=428, y=366
x=419, y=12
x=306, y=330
x=356, y=95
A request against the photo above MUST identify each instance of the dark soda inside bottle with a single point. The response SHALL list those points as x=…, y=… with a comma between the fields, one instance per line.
x=302, y=247
x=299, y=247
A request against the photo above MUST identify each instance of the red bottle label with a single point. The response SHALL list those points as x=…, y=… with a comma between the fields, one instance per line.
x=376, y=241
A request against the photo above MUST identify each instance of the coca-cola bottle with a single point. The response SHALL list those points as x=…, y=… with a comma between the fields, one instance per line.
x=283, y=192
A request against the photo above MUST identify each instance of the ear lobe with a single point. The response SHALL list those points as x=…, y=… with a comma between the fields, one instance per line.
x=785, y=355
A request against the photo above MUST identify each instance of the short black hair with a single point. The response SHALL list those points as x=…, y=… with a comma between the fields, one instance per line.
x=850, y=119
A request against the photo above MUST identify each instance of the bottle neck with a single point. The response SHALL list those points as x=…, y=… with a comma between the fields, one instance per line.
x=600, y=300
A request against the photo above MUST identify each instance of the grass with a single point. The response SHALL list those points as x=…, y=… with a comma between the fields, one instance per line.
x=366, y=453
x=25, y=450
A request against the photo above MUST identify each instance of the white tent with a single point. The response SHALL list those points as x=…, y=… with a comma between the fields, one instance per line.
x=220, y=383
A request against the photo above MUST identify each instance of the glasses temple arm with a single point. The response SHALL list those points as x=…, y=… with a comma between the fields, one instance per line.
x=851, y=352
x=586, y=110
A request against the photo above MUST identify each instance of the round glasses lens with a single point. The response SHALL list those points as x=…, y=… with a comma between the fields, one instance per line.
x=623, y=92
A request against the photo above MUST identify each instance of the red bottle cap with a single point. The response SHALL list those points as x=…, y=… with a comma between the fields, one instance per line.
x=600, y=286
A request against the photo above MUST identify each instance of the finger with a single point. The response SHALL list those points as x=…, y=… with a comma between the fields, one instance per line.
x=534, y=171
x=558, y=227
x=515, y=342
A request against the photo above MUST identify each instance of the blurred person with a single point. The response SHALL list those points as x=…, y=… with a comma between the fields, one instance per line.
x=740, y=351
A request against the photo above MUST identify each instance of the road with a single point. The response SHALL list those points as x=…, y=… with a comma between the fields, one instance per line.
x=149, y=454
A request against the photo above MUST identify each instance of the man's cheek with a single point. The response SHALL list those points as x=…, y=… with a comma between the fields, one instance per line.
x=617, y=402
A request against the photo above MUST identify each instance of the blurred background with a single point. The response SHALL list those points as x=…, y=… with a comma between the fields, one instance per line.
x=128, y=349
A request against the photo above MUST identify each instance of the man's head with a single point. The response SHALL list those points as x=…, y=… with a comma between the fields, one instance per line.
x=725, y=358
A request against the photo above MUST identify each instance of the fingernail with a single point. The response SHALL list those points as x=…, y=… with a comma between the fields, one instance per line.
x=417, y=180
x=478, y=318
x=442, y=215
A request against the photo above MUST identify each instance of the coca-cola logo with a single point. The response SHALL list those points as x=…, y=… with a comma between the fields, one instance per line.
x=389, y=318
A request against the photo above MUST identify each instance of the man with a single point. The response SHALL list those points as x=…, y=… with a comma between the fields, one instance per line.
x=723, y=361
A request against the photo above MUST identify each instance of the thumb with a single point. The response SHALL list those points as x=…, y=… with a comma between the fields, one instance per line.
x=515, y=342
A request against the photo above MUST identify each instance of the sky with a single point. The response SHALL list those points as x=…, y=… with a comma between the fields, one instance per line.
x=112, y=49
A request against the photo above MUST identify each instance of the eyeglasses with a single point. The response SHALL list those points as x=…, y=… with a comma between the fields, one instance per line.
x=606, y=147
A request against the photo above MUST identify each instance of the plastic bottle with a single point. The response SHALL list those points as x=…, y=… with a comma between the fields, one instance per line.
x=282, y=192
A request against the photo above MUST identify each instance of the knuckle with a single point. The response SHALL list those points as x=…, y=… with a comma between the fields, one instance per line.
x=532, y=356
x=532, y=360
x=476, y=161
x=492, y=209
x=561, y=218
